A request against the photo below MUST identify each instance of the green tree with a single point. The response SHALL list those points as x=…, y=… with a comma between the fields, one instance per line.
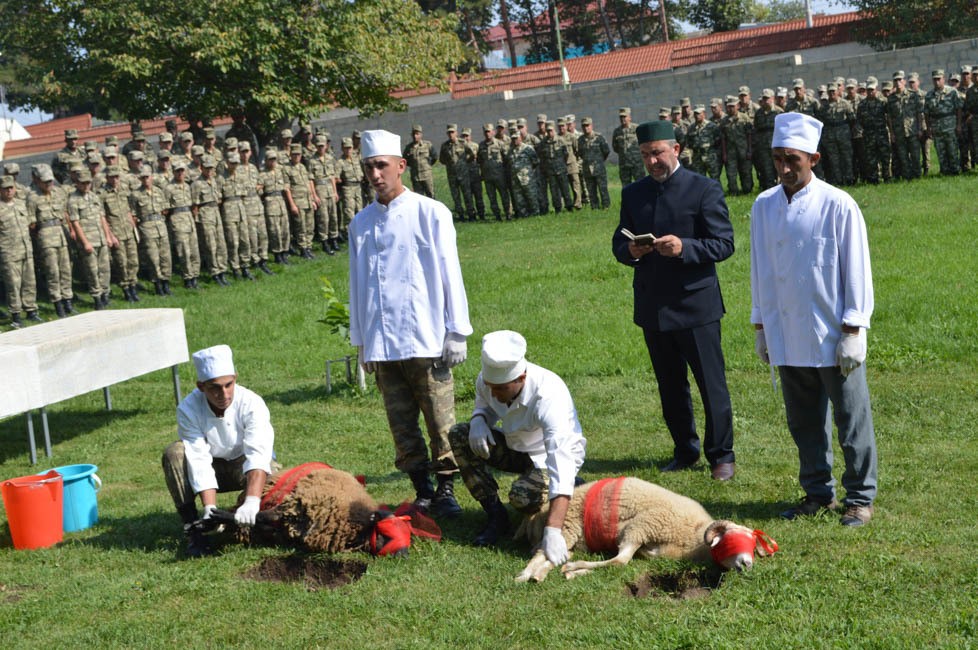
x=907, y=23
x=474, y=17
x=271, y=59
x=776, y=11
x=717, y=15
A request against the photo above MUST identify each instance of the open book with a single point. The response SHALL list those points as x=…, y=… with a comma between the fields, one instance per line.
x=646, y=239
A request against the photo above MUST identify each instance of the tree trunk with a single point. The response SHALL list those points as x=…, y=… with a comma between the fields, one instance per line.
x=551, y=9
x=607, y=25
x=504, y=17
x=665, y=22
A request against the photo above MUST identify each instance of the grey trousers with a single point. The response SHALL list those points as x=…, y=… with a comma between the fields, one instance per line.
x=807, y=392
x=230, y=476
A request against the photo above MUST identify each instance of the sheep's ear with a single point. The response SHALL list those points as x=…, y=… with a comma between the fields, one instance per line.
x=716, y=530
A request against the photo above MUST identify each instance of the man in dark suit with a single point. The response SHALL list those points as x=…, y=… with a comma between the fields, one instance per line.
x=677, y=294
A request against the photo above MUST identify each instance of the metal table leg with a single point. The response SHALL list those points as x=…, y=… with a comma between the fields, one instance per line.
x=47, y=434
x=30, y=438
x=108, y=398
x=176, y=384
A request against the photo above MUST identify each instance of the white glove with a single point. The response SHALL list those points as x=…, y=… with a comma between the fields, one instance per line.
x=480, y=437
x=760, y=346
x=245, y=514
x=554, y=546
x=208, y=511
x=851, y=351
x=368, y=366
x=454, y=350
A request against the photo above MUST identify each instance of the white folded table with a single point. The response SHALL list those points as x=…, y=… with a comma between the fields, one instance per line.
x=51, y=362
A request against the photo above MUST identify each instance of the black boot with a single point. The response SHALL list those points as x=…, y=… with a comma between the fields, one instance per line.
x=285, y=259
x=69, y=308
x=197, y=543
x=424, y=491
x=444, y=503
x=97, y=303
x=328, y=247
x=133, y=293
x=166, y=287
x=33, y=317
x=498, y=522
x=15, y=320
x=236, y=273
x=335, y=242
x=307, y=253
x=59, y=308
x=246, y=273
x=158, y=287
x=263, y=267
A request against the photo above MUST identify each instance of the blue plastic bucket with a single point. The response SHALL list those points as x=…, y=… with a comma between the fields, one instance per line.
x=80, y=506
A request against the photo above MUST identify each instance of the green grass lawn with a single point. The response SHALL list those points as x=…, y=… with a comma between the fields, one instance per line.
x=905, y=581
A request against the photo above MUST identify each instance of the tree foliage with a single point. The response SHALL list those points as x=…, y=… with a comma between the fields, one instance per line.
x=271, y=59
x=473, y=18
x=907, y=23
x=777, y=11
x=717, y=15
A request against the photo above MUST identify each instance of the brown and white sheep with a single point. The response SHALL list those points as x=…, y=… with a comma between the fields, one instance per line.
x=637, y=517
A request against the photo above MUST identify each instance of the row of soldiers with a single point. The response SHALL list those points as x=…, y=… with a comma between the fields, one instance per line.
x=196, y=207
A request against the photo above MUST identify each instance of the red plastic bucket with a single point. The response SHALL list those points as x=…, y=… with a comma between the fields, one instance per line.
x=34, y=509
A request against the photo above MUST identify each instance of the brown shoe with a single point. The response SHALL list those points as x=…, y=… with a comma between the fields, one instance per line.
x=808, y=507
x=723, y=471
x=857, y=515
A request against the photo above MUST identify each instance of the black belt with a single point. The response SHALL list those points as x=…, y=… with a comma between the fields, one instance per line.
x=48, y=223
x=351, y=183
x=942, y=115
x=231, y=199
x=251, y=195
x=272, y=194
x=151, y=217
x=207, y=204
x=185, y=208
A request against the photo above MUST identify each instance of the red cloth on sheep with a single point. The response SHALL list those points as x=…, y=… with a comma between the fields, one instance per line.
x=601, y=515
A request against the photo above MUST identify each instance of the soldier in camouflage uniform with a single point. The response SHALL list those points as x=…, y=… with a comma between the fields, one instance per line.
x=274, y=187
x=349, y=173
x=943, y=108
x=420, y=156
x=970, y=114
x=905, y=110
x=305, y=200
x=763, y=136
x=801, y=102
x=703, y=142
x=186, y=143
x=255, y=209
x=543, y=205
x=574, y=136
x=573, y=163
x=838, y=118
x=454, y=155
x=625, y=144
x=552, y=152
x=492, y=163
x=243, y=133
x=148, y=204
x=716, y=110
x=474, y=174
x=210, y=145
x=913, y=85
x=871, y=117
x=93, y=237
x=234, y=187
x=183, y=231
x=46, y=214
x=735, y=130
x=206, y=195
x=322, y=169
x=744, y=102
x=16, y=255
x=12, y=169
x=66, y=156
x=594, y=151
x=858, y=140
x=124, y=257
x=522, y=163
x=681, y=129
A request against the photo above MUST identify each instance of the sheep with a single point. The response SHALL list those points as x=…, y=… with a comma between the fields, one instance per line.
x=650, y=520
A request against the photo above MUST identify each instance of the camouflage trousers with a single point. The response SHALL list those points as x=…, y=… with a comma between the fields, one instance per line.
x=349, y=205
x=906, y=156
x=948, y=153
x=211, y=237
x=597, y=187
x=971, y=137
x=837, y=155
x=154, y=245
x=304, y=224
x=423, y=186
x=497, y=187
x=559, y=190
x=577, y=192
x=925, y=144
x=738, y=168
x=327, y=222
x=186, y=250
x=630, y=171
x=238, y=242
x=96, y=270
x=524, y=196
x=56, y=270
x=18, y=279
x=257, y=236
x=764, y=164
x=475, y=186
x=125, y=262
x=529, y=490
x=277, y=223
x=414, y=387
x=707, y=162
x=461, y=191
x=877, y=156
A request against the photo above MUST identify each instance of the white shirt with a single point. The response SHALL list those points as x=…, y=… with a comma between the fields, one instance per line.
x=406, y=289
x=541, y=422
x=245, y=430
x=810, y=272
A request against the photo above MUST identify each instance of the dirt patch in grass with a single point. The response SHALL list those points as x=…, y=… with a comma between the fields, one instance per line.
x=316, y=572
x=687, y=584
x=9, y=594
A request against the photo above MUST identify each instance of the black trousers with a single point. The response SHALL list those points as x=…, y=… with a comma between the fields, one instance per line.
x=673, y=354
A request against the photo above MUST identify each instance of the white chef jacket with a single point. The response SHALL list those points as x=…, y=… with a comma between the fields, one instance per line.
x=810, y=272
x=245, y=430
x=541, y=422
x=406, y=287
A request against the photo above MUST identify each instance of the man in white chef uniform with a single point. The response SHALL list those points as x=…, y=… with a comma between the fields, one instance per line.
x=225, y=445
x=812, y=298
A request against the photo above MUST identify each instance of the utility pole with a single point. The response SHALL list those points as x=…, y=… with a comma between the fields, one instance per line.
x=564, y=77
x=665, y=23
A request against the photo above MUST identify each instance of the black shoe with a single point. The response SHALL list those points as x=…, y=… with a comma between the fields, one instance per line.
x=15, y=320
x=423, y=489
x=97, y=303
x=188, y=283
x=221, y=280
x=497, y=525
x=676, y=465
x=69, y=308
x=33, y=317
x=307, y=253
x=246, y=274
x=335, y=244
x=106, y=298
x=198, y=545
x=134, y=292
x=158, y=287
x=444, y=504
x=263, y=267
x=166, y=287
x=59, y=308
x=328, y=247
x=808, y=507
x=285, y=259
x=236, y=273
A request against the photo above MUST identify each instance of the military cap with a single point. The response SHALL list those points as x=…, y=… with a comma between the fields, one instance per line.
x=139, y=136
x=840, y=82
x=231, y=143
x=676, y=110
x=823, y=87
x=466, y=131
x=90, y=145
x=655, y=131
x=501, y=123
x=197, y=150
x=851, y=83
x=187, y=135
x=872, y=82
x=285, y=133
x=716, y=101
x=831, y=87
x=136, y=155
x=862, y=85
x=166, y=136
x=84, y=176
x=347, y=142
x=326, y=134
x=71, y=134
x=685, y=101
x=966, y=69
x=417, y=129
x=320, y=141
x=11, y=168
x=664, y=111
x=798, y=83
x=112, y=139
x=44, y=173
x=295, y=149
x=743, y=90
x=110, y=151
x=898, y=75
x=570, y=117
x=550, y=124
x=271, y=154
x=305, y=125
x=451, y=127
x=514, y=133
x=179, y=165
x=541, y=117
x=170, y=123
x=7, y=182
x=244, y=145
x=731, y=100
x=767, y=92
x=521, y=121
x=561, y=121
x=75, y=166
x=937, y=73
x=887, y=85
x=781, y=92
x=355, y=134
x=145, y=171
x=113, y=170
x=209, y=132
x=699, y=108
x=955, y=77
x=207, y=160
x=913, y=75
x=486, y=127
x=587, y=121
x=94, y=158
x=234, y=158
x=163, y=155
x=624, y=110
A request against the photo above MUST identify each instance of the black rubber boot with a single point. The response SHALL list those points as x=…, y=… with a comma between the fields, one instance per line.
x=263, y=267
x=59, y=308
x=498, y=523
x=246, y=273
x=97, y=303
x=69, y=308
x=444, y=504
x=423, y=490
x=158, y=287
x=15, y=320
x=328, y=247
x=33, y=317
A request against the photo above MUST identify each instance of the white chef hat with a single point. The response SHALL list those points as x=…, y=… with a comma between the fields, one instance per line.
x=503, y=356
x=213, y=362
x=796, y=131
x=380, y=143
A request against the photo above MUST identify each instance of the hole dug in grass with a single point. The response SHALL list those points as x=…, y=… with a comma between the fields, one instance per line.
x=684, y=584
x=315, y=572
